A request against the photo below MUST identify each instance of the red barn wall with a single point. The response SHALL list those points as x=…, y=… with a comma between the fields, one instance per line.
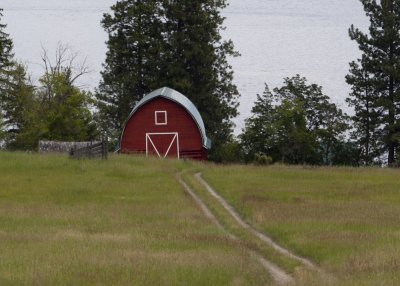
x=178, y=120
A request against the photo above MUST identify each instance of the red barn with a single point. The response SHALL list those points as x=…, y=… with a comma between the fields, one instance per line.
x=165, y=123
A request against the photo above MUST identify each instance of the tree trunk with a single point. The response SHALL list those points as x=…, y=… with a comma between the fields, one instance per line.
x=368, y=128
x=392, y=107
x=391, y=122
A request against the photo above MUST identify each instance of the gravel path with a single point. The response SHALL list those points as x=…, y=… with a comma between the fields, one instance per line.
x=278, y=275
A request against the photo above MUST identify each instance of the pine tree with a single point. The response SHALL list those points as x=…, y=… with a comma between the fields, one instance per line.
x=367, y=132
x=196, y=62
x=6, y=60
x=2, y=131
x=131, y=69
x=6, y=46
x=158, y=43
x=19, y=107
x=260, y=135
x=381, y=48
x=6, y=63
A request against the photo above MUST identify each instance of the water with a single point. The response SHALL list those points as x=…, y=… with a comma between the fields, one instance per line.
x=276, y=38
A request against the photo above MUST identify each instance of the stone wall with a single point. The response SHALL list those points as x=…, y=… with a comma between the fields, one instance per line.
x=61, y=147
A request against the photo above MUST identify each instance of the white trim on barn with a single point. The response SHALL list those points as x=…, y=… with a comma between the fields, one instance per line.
x=175, y=138
x=180, y=99
x=165, y=117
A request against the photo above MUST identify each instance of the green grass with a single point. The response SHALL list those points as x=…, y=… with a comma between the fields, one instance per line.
x=230, y=224
x=125, y=221
x=346, y=220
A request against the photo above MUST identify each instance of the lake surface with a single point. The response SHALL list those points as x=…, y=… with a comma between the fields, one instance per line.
x=276, y=38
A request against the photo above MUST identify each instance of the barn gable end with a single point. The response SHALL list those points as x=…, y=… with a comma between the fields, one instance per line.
x=165, y=123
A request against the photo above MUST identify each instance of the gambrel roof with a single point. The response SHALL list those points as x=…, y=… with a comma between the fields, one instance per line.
x=183, y=101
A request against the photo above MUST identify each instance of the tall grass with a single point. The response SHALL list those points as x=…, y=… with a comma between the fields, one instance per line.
x=230, y=224
x=125, y=221
x=346, y=220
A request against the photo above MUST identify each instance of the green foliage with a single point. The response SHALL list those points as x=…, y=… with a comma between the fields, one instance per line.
x=6, y=47
x=296, y=144
x=6, y=63
x=132, y=66
x=262, y=159
x=259, y=135
x=397, y=164
x=168, y=43
x=66, y=115
x=229, y=152
x=376, y=81
x=20, y=111
x=196, y=63
x=366, y=124
x=14, y=90
x=56, y=110
x=347, y=153
x=295, y=124
x=2, y=132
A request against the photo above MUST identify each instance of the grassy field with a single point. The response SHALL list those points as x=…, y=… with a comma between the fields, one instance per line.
x=127, y=221
x=346, y=220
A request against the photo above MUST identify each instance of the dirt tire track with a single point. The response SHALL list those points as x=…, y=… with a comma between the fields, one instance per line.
x=266, y=239
x=278, y=275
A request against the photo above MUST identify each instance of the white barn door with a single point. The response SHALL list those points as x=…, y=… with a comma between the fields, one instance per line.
x=162, y=144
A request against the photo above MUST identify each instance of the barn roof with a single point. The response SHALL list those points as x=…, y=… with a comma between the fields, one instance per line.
x=179, y=98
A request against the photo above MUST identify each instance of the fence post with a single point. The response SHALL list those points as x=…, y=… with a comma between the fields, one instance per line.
x=92, y=150
x=103, y=155
x=104, y=148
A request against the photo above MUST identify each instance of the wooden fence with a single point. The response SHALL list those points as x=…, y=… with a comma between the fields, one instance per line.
x=90, y=151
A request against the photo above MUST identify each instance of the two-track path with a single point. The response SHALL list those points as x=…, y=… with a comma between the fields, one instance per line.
x=278, y=274
x=263, y=237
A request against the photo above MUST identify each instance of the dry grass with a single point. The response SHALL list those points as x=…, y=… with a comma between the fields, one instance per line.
x=249, y=240
x=125, y=221
x=347, y=220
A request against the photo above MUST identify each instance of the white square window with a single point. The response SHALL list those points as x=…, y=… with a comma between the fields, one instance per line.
x=160, y=117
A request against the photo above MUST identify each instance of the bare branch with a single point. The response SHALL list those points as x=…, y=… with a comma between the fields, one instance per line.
x=81, y=70
x=65, y=62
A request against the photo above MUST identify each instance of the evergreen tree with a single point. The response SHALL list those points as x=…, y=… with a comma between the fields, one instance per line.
x=381, y=49
x=6, y=62
x=6, y=46
x=196, y=63
x=19, y=107
x=260, y=135
x=2, y=132
x=177, y=44
x=366, y=129
x=131, y=69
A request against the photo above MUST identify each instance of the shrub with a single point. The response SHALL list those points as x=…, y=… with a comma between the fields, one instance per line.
x=262, y=159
